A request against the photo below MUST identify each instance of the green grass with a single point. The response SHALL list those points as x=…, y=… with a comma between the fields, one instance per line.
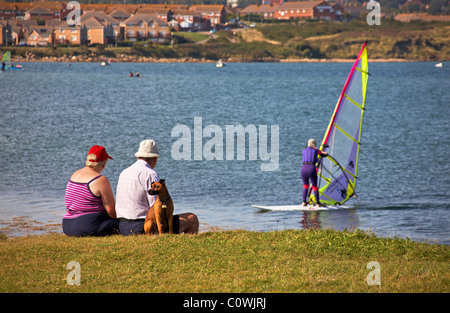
x=417, y=40
x=223, y=261
x=190, y=37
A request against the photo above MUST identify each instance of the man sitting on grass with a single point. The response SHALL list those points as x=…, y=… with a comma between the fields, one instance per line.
x=133, y=200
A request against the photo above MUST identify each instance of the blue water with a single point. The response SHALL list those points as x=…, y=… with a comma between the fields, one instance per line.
x=51, y=114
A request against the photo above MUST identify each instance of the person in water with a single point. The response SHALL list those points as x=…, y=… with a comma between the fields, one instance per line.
x=309, y=170
x=3, y=66
x=90, y=205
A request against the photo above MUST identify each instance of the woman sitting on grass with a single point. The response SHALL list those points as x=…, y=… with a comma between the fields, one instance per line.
x=89, y=199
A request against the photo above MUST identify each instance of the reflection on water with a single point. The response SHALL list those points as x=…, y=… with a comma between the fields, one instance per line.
x=295, y=219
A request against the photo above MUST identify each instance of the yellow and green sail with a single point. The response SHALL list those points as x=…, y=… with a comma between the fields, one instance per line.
x=337, y=173
x=6, y=56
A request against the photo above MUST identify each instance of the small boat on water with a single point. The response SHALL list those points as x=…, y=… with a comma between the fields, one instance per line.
x=438, y=64
x=220, y=63
x=106, y=63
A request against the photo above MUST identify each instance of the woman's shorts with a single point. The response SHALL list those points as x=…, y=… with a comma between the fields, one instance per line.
x=92, y=224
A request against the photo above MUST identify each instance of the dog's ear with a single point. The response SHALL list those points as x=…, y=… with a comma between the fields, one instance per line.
x=163, y=182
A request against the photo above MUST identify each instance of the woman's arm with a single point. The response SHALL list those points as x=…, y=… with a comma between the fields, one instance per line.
x=104, y=188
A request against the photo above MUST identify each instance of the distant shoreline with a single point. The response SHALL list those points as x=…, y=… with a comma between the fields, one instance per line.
x=193, y=60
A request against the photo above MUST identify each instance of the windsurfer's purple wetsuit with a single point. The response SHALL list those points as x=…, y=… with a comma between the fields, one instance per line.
x=309, y=171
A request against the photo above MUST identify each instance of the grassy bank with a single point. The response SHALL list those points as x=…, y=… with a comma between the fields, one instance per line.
x=292, y=40
x=223, y=261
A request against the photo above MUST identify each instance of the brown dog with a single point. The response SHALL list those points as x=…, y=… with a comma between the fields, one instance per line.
x=161, y=213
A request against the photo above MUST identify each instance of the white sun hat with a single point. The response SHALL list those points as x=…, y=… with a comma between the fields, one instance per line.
x=147, y=149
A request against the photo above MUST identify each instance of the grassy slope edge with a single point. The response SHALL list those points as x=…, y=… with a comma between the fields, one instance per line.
x=224, y=261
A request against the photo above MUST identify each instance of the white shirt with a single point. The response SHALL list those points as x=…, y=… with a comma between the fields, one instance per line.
x=132, y=198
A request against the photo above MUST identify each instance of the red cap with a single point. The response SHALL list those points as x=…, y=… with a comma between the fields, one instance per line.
x=100, y=152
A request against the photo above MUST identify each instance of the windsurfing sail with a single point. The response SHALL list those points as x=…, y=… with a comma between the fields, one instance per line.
x=8, y=64
x=7, y=57
x=7, y=60
x=337, y=172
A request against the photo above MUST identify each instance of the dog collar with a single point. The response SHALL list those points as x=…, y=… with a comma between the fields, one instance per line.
x=164, y=202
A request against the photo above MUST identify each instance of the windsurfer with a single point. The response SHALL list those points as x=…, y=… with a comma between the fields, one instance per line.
x=309, y=171
x=3, y=66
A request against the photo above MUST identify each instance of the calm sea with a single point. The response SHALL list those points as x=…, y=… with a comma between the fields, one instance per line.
x=52, y=113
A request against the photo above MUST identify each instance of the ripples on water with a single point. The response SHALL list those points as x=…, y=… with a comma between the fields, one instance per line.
x=51, y=114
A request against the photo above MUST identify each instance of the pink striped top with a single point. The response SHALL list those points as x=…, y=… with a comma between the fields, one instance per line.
x=80, y=200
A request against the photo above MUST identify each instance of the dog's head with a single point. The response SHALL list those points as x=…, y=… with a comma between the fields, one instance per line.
x=159, y=188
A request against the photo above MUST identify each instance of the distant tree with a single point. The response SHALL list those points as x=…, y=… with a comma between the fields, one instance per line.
x=412, y=7
x=393, y=4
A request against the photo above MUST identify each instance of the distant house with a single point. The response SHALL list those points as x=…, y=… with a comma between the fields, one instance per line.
x=216, y=14
x=17, y=30
x=119, y=15
x=174, y=25
x=265, y=10
x=305, y=10
x=100, y=27
x=41, y=36
x=97, y=7
x=339, y=11
x=250, y=9
x=161, y=11
x=70, y=34
x=16, y=34
x=146, y=26
x=190, y=20
x=11, y=29
x=21, y=9
x=45, y=13
x=98, y=32
x=354, y=10
x=7, y=11
x=129, y=9
x=13, y=10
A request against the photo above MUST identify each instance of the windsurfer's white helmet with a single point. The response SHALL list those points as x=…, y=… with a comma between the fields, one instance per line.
x=311, y=143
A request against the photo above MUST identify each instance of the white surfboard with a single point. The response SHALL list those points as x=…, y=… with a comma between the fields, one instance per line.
x=300, y=207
